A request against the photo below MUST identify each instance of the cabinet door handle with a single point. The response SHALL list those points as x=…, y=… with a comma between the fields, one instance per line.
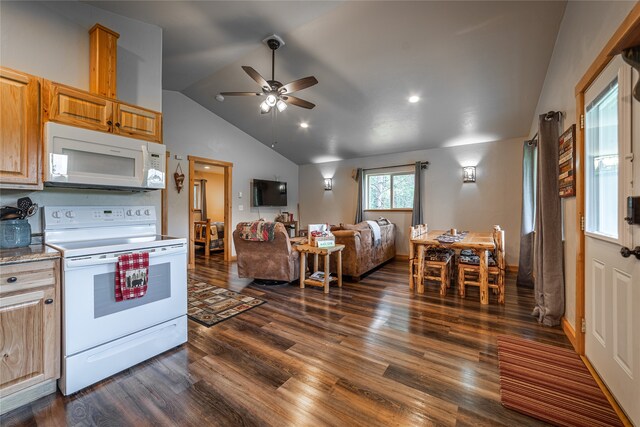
x=12, y=279
x=48, y=301
x=109, y=122
x=117, y=124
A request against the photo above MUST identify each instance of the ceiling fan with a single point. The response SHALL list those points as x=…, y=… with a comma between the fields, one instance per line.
x=277, y=94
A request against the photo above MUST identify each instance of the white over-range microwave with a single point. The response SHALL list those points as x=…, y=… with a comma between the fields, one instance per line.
x=83, y=158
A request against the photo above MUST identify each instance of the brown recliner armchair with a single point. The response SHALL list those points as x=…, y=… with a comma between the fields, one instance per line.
x=269, y=260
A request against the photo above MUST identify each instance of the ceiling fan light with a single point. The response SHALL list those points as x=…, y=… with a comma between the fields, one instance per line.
x=281, y=105
x=271, y=100
x=265, y=107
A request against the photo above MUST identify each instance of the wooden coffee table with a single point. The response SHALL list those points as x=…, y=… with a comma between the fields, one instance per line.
x=326, y=252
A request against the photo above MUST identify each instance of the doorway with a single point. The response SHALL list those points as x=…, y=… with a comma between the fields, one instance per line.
x=209, y=207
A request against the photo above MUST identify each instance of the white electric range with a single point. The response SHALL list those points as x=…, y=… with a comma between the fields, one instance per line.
x=100, y=336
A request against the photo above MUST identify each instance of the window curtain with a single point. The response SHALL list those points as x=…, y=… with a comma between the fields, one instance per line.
x=549, y=277
x=359, y=209
x=416, y=217
x=528, y=214
x=203, y=199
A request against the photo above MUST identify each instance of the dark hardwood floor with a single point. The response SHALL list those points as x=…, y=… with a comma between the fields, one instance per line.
x=369, y=354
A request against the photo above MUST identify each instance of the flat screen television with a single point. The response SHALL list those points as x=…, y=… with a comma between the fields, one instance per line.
x=268, y=193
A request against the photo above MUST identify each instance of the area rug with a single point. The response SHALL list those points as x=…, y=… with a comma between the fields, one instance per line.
x=552, y=384
x=209, y=304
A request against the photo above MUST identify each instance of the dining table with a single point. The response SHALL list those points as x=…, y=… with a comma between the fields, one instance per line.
x=481, y=242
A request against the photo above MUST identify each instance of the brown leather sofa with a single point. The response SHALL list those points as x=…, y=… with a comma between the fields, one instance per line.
x=274, y=260
x=360, y=254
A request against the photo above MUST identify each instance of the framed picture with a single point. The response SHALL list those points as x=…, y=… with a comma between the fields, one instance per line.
x=567, y=163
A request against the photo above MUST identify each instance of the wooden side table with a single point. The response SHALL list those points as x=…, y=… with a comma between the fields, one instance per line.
x=326, y=252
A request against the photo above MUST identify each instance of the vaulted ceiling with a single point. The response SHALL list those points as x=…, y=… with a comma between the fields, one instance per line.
x=478, y=68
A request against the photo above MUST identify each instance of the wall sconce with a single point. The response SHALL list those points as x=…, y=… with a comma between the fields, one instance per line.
x=469, y=174
x=328, y=184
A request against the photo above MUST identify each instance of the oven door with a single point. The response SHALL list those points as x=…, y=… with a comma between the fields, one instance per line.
x=91, y=314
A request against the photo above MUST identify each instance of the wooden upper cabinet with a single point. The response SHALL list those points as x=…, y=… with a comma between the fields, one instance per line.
x=76, y=108
x=20, y=136
x=103, y=61
x=138, y=122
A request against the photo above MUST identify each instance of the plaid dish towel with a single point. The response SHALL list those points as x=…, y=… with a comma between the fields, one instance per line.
x=132, y=274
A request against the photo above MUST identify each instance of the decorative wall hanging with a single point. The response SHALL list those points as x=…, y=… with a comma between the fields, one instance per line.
x=178, y=176
x=567, y=163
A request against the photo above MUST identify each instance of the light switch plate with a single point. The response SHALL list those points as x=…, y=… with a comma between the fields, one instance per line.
x=239, y=194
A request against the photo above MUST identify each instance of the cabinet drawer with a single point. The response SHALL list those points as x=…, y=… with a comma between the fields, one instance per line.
x=78, y=108
x=138, y=122
x=28, y=275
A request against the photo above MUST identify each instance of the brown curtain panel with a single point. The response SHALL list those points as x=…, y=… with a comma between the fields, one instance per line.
x=549, y=278
x=203, y=198
x=359, y=202
x=416, y=217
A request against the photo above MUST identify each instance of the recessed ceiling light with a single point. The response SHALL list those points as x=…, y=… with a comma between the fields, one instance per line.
x=413, y=99
x=207, y=167
x=304, y=125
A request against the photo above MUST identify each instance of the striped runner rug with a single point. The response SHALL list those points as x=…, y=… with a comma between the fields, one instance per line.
x=551, y=384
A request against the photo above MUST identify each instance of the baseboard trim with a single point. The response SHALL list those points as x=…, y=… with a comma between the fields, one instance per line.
x=570, y=332
x=612, y=400
x=27, y=395
x=400, y=257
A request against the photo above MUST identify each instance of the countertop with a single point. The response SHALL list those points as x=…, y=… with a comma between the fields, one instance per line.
x=27, y=254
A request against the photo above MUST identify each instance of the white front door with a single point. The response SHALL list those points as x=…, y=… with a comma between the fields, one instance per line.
x=612, y=282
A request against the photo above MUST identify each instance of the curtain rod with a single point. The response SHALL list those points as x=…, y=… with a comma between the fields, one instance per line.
x=423, y=165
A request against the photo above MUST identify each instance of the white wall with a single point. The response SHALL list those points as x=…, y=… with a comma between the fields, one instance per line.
x=51, y=40
x=192, y=130
x=586, y=27
x=495, y=198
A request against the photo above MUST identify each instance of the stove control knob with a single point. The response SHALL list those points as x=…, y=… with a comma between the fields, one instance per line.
x=55, y=214
x=138, y=212
x=70, y=214
x=146, y=212
x=129, y=212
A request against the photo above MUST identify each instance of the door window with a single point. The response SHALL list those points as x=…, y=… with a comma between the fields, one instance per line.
x=602, y=163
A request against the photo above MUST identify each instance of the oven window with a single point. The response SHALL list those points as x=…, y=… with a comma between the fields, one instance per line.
x=98, y=163
x=104, y=299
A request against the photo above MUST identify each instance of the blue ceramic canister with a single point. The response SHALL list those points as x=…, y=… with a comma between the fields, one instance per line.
x=15, y=233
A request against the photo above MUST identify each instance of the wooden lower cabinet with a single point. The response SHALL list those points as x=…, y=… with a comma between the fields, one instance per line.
x=20, y=138
x=29, y=331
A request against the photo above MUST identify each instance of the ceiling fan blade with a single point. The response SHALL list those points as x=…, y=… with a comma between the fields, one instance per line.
x=299, y=84
x=298, y=102
x=257, y=77
x=241, y=93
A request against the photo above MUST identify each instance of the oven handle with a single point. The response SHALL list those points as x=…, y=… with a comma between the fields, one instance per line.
x=113, y=258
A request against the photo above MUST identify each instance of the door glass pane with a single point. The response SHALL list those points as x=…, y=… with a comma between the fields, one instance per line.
x=379, y=191
x=403, y=191
x=602, y=163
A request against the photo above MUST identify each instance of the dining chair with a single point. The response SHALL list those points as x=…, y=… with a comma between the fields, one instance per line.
x=469, y=268
x=438, y=266
x=415, y=231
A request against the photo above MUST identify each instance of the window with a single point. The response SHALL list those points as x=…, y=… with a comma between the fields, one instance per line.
x=389, y=190
x=602, y=158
